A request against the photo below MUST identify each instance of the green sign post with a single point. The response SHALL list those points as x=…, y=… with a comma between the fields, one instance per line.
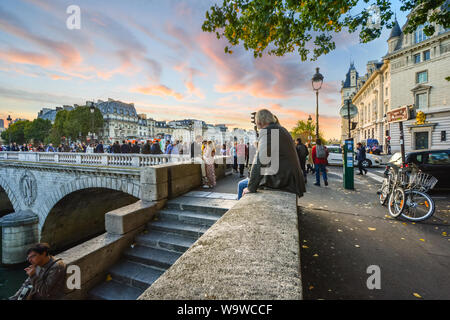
x=348, y=162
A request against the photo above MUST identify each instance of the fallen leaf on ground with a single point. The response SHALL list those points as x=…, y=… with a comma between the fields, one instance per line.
x=339, y=230
x=372, y=229
x=311, y=287
x=422, y=240
x=305, y=247
x=315, y=255
x=417, y=295
x=444, y=234
x=357, y=245
x=108, y=277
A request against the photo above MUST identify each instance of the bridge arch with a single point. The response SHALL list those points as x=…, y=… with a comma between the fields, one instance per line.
x=76, y=211
x=10, y=195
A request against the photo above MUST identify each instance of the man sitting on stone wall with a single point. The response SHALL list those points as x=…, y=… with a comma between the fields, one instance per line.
x=280, y=170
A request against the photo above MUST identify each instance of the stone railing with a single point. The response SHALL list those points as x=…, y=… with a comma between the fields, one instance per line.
x=251, y=253
x=98, y=159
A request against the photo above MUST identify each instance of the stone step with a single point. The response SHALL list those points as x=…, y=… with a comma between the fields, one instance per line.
x=152, y=257
x=134, y=274
x=177, y=227
x=192, y=217
x=112, y=290
x=205, y=205
x=163, y=240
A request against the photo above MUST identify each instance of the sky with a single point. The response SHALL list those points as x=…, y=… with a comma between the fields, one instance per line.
x=154, y=53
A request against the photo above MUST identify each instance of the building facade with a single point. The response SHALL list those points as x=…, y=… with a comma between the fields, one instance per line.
x=121, y=120
x=419, y=66
x=372, y=100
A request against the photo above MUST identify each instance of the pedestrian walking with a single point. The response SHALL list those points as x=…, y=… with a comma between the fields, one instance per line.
x=208, y=157
x=310, y=162
x=320, y=155
x=302, y=152
x=360, y=157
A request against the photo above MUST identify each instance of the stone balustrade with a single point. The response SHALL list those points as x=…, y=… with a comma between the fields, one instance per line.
x=101, y=159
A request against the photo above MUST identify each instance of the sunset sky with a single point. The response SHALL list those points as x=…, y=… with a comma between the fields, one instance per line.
x=154, y=53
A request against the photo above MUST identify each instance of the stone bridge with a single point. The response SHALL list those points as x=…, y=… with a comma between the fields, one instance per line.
x=61, y=198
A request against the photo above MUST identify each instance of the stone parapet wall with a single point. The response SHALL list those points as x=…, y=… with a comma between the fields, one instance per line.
x=252, y=252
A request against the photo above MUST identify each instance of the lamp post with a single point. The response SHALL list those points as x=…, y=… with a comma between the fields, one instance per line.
x=9, y=119
x=309, y=129
x=92, y=109
x=317, y=81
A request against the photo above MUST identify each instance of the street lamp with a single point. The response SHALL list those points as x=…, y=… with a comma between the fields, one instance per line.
x=317, y=81
x=9, y=119
x=309, y=128
x=92, y=109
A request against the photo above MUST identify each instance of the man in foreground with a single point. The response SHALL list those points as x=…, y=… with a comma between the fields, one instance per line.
x=288, y=176
x=46, y=275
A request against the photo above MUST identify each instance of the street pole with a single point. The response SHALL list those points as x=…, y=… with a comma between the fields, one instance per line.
x=317, y=114
x=348, y=113
x=402, y=143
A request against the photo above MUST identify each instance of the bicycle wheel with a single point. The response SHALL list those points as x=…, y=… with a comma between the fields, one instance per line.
x=383, y=193
x=396, y=202
x=419, y=206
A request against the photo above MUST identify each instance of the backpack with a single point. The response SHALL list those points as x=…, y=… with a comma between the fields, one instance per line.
x=320, y=152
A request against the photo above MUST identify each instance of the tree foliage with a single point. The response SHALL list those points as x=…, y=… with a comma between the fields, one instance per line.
x=75, y=124
x=283, y=26
x=37, y=130
x=304, y=130
x=15, y=132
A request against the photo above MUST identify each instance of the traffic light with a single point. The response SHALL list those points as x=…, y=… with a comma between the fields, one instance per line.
x=253, y=117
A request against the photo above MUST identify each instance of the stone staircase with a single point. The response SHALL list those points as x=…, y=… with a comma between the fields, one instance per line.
x=174, y=231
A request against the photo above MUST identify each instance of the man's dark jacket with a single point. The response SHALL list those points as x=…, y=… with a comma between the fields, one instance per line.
x=146, y=148
x=135, y=149
x=125, y=148
x=116, y=148
x=302, y=152
x=99, y=148
x=289, y=176
x=361, y=156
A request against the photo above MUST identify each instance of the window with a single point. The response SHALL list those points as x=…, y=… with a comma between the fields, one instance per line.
x=419, y=35
x=426, y=55
x=421, y=139
x=387, y=90
x=422, y=77
x=417, y=58
x=443, y=135
x=421, y=100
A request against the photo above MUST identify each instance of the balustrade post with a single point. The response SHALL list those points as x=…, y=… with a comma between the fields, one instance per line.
x=78, y=159
x=135, y=160
x=105, y=158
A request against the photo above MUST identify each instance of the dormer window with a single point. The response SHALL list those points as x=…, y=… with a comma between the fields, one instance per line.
x=419, y=35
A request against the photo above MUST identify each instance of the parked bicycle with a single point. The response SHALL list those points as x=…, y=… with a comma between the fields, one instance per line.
x=405, y=191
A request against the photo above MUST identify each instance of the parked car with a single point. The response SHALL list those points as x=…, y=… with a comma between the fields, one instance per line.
x=335, y=157
x=434, y=162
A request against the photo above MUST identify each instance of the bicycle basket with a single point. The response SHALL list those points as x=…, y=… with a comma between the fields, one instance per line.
x=421, y=180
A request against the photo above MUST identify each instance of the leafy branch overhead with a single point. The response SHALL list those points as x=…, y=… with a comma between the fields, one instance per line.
x=283, y=26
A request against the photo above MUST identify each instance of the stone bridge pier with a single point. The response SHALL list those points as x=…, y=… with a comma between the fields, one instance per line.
x=65, y=204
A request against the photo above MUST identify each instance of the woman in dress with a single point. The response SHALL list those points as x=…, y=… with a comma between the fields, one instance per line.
x=208, y=157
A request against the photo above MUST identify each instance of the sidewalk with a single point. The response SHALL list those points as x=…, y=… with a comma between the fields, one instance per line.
x=343, y=232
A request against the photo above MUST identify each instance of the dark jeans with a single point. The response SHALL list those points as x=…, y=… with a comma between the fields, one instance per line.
x=241, y=169
x=360, y=167
x=235, y=164
x=321, y=167
x=303, y=166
